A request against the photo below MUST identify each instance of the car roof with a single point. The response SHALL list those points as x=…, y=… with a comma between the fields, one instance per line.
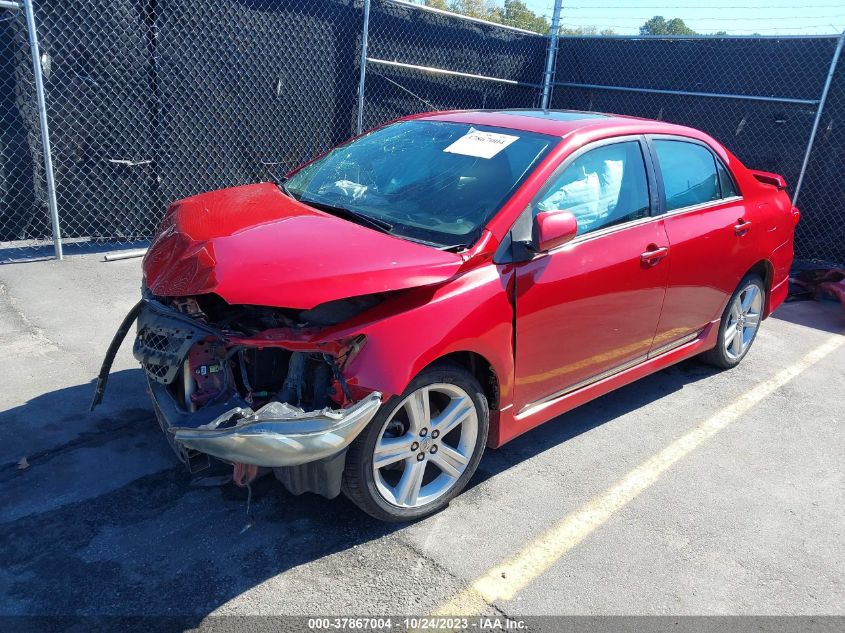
x=559, y=122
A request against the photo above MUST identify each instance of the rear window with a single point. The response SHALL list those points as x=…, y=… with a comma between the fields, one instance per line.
x=689, y=173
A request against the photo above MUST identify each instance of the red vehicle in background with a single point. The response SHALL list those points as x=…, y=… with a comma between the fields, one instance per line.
x=445, y=283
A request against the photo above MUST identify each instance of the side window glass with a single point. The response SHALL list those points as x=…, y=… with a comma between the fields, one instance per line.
x=725, y=181
x=602, y=187
x=689, y=173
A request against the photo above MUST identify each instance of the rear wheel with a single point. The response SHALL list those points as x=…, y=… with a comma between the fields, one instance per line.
x=739, y=325
x=421, y=448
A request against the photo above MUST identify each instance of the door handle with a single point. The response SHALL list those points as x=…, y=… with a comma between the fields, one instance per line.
x=654, y=254
x=741, y=227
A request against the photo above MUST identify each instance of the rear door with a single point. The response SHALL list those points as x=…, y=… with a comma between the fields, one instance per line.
x=711, y=237
x=590, y=307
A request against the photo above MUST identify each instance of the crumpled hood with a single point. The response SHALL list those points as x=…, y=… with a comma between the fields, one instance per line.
x=255, y=245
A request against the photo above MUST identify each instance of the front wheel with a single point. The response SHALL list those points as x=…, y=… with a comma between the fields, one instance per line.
x=421, y=448
x=739, y=325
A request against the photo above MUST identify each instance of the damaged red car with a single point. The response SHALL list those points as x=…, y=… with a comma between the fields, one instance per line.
x=444, y=283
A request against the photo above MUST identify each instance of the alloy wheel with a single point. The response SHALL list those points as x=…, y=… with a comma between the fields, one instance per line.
x=743, y=321
x=425, y=445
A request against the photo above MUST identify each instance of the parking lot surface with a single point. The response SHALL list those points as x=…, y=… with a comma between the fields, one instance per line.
x=691, y=492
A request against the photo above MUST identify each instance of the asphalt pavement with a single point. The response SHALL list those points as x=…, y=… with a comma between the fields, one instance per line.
x=745, y=518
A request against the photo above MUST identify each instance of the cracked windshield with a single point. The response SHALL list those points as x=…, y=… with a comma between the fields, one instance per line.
x=430, y=181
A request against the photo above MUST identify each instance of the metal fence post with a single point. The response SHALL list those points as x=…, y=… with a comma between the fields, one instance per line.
x=359, y=127
x=819, y=110
x=548, y=75
x=45, y=134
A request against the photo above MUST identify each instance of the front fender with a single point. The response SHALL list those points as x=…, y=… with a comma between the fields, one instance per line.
x=471, y=313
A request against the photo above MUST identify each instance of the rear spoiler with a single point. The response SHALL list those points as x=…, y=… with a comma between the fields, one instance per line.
x=768, y=178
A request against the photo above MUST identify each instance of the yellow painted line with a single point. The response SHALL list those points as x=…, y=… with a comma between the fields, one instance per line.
x=506, y=580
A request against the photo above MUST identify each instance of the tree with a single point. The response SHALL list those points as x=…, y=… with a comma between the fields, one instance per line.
x=516, y=13
x=510, y=12
x=658, y=25
x=585, y=30
x=472, y=8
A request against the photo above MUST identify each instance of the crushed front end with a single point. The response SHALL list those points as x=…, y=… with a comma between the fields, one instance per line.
x=252, y=385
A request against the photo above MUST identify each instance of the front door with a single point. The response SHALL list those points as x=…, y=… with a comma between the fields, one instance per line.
x=590, y=308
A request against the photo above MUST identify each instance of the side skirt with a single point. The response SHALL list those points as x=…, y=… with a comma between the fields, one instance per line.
x=532, y=416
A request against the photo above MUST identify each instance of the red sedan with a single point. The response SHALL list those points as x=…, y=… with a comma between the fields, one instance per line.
x=447, y=282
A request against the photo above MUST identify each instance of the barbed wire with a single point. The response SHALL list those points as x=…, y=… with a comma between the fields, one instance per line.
x=833, y=25
x=750, y=31
x=664, y=7
x=719, y=19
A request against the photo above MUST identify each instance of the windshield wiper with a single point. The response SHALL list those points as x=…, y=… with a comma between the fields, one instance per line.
x=280, y=183
x=350, y=214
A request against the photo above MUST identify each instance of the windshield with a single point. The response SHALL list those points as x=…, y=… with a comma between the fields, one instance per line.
x=430, y=181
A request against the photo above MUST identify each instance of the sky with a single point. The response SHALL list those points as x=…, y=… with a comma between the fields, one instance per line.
x=740, y=17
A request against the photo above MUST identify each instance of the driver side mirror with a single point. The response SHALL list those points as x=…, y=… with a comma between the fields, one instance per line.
x=552, y=229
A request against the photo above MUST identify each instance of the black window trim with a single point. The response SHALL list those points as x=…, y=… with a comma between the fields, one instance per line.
x=650, y=138
x=721, y=163
x=611, y=140
x=651, y=183
x=520, y=230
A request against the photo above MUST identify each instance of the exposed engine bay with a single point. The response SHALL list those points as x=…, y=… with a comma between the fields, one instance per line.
x=220, y=367
x=251, y=385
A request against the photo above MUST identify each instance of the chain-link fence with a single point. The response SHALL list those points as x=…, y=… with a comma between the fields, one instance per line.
x=24, y=214
x=821, y=232
x=759, y=96
x=421, y=59
x=149, y=101
x=152, y=101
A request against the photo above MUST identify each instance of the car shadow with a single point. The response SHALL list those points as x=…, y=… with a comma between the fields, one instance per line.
x=591, y=415
x=177, y=546
x=824, y=313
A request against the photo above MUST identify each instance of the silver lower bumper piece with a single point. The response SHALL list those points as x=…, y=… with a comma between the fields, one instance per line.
x=279, y=434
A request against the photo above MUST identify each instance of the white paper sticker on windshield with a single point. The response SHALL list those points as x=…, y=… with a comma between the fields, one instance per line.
x=481, y=144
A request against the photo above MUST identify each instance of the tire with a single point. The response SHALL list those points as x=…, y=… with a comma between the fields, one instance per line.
x=731, y=348
x=411, y=448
